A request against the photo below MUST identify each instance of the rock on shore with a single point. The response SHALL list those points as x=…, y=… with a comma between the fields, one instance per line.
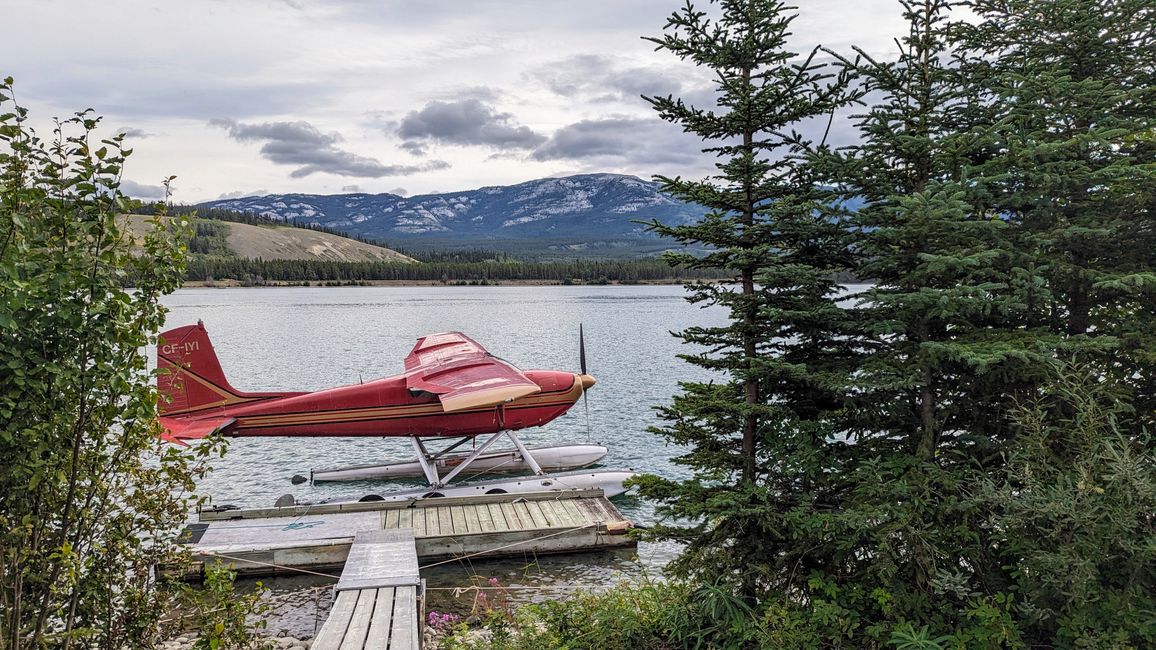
x=186, y=641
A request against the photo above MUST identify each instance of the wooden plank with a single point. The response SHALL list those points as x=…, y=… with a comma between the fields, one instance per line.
x=432, y=525
x=446, y=520
x=333, y=631
x=524, y=515
x=498, y=515
x=419, y=521
x=404, y=634
x=553, y=519
x=548, y=514
x=458, y=519
x=518, y=543
x=374, y=506
x=285, y=529
x=380, y=558
x=571, y=508
x=322, y=553
x=608, y=510
x=473, y=522
x=533, y=511
x=589, y=513
x=559, y=517
x=542, y=518
x=380, y=625
x=391, y=518
x=568, y=517
x=359, y=622
x=405, y=520
x=513, y=520
x=485, y=519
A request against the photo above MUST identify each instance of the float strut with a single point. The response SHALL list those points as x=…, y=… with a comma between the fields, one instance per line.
x=472, y=457
x=431, y=472
x=525, y=454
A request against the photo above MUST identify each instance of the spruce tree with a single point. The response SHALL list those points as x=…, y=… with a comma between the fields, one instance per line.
x=772, y=227
x=1074, y=85
x=944, y=356
x=1073, y=171
x=866, y=468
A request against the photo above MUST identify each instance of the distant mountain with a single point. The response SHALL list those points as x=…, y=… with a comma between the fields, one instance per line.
x=589, y=212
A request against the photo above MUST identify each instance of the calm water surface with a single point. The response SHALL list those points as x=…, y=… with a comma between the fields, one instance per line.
x=314, y=338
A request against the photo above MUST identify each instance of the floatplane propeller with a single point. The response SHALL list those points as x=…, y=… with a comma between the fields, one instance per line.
x=451, y=388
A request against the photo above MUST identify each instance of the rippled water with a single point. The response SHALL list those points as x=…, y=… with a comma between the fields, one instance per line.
x=313, y=338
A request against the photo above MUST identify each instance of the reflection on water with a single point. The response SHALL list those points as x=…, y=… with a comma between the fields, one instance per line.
x=312, y=338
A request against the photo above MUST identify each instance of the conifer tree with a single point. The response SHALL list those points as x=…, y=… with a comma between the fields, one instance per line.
x=1073, y=171
x=1074, y=84
x=771, y=226
x=1005, y=173
x=944, y=356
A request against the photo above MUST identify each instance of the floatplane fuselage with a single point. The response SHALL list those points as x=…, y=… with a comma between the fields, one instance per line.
x=451, y=388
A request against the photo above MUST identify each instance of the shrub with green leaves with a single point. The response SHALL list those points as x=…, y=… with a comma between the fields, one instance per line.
x=90, y=500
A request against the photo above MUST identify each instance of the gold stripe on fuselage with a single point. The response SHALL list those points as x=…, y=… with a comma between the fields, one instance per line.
x=227, y=398
x=397, y=412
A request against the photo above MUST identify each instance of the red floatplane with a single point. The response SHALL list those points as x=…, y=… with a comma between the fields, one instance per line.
x=452, y=388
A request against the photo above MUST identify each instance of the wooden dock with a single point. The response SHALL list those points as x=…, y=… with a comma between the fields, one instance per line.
x=278, y=540
x=377, y=603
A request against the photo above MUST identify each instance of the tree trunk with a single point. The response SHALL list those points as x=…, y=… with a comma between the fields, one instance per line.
x=750, y=314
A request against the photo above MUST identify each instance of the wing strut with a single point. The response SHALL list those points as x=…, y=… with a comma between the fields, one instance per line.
x=431, y=472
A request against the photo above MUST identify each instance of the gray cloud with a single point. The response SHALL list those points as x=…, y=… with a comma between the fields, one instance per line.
x=350, y=188
x=300, y=132
x=240, y=194
x=302, y=144
x=414, y=147
x=400, y=191
x=604, y=78
x=140, y=190
x=626, y=141
x=467, y=122
x=130, y=132
x=643, y=141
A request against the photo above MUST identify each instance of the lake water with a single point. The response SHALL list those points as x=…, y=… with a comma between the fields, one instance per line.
x=313, y=338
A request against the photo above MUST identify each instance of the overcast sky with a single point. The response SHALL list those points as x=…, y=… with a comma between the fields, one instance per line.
x=239, y=97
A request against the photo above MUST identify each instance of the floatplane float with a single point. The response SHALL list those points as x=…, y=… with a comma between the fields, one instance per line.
x=452, y=390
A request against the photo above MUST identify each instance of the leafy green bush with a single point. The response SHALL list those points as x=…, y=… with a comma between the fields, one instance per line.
x=220, y=616
x=91, y=502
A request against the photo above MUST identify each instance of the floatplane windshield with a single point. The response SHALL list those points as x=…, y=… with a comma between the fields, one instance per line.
x=452, y=388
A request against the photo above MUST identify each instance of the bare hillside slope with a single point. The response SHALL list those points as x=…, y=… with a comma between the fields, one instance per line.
x=288, y=243
x=275, y=242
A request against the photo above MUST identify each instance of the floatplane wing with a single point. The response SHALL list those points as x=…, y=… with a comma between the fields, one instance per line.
x=462, y=375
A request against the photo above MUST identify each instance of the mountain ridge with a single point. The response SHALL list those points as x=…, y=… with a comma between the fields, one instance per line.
x=579, y=213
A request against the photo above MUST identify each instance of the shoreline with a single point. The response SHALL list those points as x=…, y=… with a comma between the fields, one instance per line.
x=188, y=641
x=230, y=284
